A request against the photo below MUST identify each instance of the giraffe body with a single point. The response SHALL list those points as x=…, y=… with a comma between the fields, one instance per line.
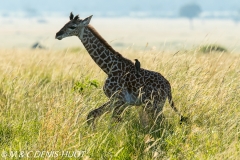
x=123, y=86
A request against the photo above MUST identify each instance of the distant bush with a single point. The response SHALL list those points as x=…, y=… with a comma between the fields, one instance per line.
x=212, y=48
x=37, y=45
x=73, y=50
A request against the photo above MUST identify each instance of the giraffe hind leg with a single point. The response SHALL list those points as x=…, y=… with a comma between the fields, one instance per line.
x=118, y=110
x=154, y=112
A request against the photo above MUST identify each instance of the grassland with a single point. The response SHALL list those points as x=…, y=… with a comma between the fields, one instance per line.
x=45, y=96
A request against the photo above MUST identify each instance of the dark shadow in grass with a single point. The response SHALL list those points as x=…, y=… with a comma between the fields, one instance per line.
x=146, y=140
x=156, y=136
x=6, y=134
x=44, y=79
x=134, y=138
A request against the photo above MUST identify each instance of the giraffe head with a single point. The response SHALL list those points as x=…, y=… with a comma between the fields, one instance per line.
x=74, y=27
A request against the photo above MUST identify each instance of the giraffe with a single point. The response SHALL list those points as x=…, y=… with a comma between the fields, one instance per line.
x=123, y=87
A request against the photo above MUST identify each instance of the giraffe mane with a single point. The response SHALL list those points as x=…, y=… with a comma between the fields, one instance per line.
x=105, y=43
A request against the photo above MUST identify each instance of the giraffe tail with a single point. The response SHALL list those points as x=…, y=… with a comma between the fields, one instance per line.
x=182, y=118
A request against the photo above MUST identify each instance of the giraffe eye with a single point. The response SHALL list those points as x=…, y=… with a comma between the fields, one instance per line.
x=72, y=27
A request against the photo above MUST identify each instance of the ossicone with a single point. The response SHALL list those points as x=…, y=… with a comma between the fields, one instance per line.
x=71, y=16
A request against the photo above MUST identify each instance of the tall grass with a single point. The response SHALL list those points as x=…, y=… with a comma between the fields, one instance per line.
x=41, y=109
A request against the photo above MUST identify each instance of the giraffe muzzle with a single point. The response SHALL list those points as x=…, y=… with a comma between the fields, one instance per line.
x=59, y=35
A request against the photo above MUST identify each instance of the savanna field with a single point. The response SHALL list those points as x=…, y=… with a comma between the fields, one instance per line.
x=45, y=96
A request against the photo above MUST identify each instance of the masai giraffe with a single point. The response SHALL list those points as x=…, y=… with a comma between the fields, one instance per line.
x=122, y=86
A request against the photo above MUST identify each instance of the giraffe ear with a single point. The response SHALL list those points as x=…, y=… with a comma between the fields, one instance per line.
x=87, y=20
x=71, y=16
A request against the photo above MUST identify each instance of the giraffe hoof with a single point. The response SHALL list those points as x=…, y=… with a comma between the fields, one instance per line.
x=90, y=121
x=183, y=120
x=90, y=118
x=117, y=119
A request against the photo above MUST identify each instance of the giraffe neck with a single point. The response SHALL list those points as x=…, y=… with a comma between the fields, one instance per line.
x=101, y=52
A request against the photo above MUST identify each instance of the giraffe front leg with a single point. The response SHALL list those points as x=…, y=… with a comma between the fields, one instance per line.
x=97, y=113
x=118, y=110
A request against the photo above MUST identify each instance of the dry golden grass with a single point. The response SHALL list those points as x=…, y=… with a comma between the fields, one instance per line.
x=41, y=109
